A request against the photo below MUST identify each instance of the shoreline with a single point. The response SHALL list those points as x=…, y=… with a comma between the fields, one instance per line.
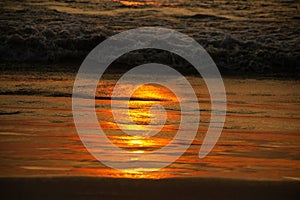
x=124, y=188
x=71, y=68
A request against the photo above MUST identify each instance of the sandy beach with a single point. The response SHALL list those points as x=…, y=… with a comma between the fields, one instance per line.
x=42, y=156
x=104, y=188
x=255, y=45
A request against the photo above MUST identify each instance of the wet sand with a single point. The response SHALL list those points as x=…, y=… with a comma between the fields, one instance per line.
x=256, y=157
x=104, y=188
x=260, y=139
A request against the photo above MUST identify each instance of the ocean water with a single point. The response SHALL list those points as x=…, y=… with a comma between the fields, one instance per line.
x=260, y=139
x=251, y=36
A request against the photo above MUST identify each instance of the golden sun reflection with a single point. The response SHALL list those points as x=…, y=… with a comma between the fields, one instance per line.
x=154, y=91
x=144, y=98
x=137, y=173
x=152, y=110
x=137, y=3
x=137, y=144
x=148, y=125
x=130, y=3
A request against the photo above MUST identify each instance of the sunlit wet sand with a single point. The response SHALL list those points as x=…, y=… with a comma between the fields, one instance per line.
x=260, y=139
x=42, y=156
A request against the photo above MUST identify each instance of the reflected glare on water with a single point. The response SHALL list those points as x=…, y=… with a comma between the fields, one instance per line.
x=256, y=142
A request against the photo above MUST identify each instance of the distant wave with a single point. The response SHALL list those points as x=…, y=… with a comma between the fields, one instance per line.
x=235, y=43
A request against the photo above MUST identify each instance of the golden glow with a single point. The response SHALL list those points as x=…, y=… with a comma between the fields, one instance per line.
x=140, y=104
x=145, y=3
x=138, y=144
x=138, y=151
x=137, y=3
x=139, y=171
x=154, y=92
x=150, y=94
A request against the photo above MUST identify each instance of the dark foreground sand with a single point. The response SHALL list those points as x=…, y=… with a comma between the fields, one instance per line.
x=175, y=188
